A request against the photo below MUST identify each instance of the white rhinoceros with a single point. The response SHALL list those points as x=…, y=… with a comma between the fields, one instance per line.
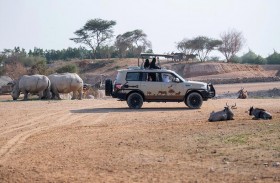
x=66, y=83
x=35, y=84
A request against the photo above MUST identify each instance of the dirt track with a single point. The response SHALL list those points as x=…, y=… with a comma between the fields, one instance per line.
x=104, y=141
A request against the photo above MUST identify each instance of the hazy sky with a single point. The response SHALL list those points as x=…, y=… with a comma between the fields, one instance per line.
x=49, y=24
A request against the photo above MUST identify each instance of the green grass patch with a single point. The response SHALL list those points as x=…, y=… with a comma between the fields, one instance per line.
x=237, y=139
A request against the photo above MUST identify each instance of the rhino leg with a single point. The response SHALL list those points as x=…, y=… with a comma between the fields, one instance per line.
x=41, y=94
x=52, y=95
x=74, y=95
x=80, y=94
x=47, y=94
x=55, y=94
x=25, y=93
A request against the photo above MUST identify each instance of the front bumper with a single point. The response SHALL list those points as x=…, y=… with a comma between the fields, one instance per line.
x=209, y=93
x=211, y=90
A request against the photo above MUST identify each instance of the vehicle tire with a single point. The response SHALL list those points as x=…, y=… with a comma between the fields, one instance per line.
x=194, y=100
x=108, y=87
x=134, y=101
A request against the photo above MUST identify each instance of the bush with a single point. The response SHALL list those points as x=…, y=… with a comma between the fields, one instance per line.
x=32, y=60
x=260, y=60
x=252, y=58
x=273, y=58
x=14, y=70
x=72, y=68
x=235, y=59
x=39, y=68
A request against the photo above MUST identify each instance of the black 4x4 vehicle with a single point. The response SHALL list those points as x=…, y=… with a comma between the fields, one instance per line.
x=137, y=85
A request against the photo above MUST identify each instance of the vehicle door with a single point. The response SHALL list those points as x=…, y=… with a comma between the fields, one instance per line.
x=133, y=80
x=151, y=85
x=172, y=86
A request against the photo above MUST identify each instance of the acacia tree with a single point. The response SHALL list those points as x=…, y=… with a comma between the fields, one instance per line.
x=122, y=44
x=139, y=38
x=200, y=45
x=232, y=42
x=94, y=33
x=185, y=46
x=134, y=41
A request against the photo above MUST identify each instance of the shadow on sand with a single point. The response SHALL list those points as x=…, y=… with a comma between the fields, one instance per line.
x=107, y=110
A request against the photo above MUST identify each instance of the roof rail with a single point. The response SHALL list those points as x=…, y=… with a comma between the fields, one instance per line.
x=147, y=55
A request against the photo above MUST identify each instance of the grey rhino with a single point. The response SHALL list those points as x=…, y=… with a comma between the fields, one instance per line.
x=35, y=84
x=66, y=83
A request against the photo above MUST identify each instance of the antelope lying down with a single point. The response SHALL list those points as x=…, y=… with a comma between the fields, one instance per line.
x=223, y=115
x=259, y=113
x=242, y=94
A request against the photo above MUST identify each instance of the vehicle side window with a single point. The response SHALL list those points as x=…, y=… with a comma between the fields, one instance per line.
x=153, y=76
x=145, y=76
x=168, y=77
x=133, y=76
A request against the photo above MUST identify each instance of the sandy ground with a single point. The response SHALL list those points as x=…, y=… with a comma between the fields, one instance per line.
x=104, y=141
x=250, y=87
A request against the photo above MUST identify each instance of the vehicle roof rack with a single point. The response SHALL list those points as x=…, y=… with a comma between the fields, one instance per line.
x=143, y=56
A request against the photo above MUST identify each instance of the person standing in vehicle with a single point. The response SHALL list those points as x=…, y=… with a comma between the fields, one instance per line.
x=146, y=64
x=153, y=64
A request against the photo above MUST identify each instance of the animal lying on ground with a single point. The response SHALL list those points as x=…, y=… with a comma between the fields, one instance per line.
x=242, y=94
x=35, y=84
x=66, y=83
x=223, y=115
x=259, y=113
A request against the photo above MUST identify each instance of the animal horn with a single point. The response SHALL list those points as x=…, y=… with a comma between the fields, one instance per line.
x=234, y=106
x=227, y=105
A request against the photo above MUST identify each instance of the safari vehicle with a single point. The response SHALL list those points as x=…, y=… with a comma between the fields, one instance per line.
x=137, y=85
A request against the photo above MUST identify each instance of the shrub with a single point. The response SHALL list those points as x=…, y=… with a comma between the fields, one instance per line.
x=14, y=70
x=32, y=60
x=252, y=58
x=260, y=60
x=39, y=68
x=273, y=58
x=72, y=68
x=235, y=59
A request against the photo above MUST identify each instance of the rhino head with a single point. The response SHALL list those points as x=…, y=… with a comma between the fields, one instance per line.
x=15, y=92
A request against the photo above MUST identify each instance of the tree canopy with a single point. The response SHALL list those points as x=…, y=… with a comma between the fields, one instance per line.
x=232, y=42
x=94, y=33
x=200, y=45
x=133, y=42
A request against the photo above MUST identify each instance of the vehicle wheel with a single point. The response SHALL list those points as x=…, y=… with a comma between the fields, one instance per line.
x=135, y=101
x=194, y=100
x=108, y=87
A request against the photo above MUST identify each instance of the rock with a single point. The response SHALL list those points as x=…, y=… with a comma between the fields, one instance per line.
x=265, y=164
x=276, y=164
